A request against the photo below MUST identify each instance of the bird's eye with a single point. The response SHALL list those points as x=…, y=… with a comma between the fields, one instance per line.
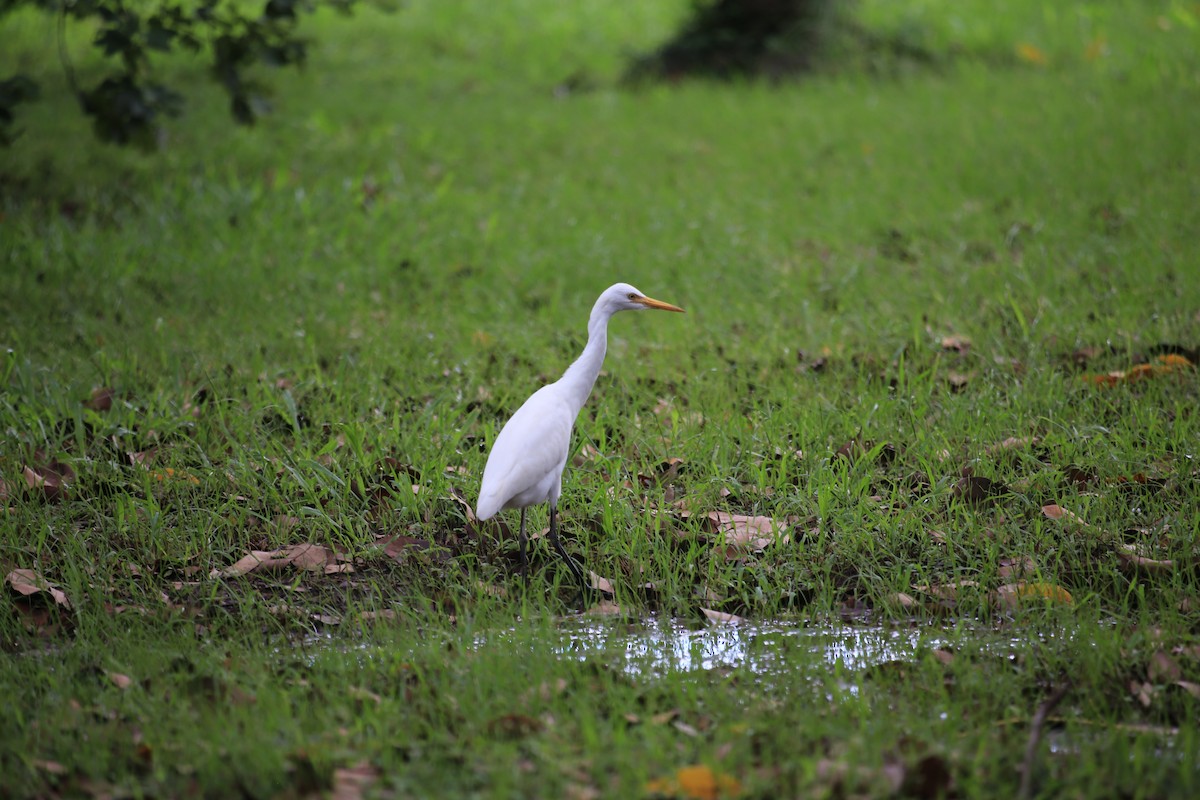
x=632, y=296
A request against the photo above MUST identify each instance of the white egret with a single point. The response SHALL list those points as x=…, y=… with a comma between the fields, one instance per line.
x=526, y=464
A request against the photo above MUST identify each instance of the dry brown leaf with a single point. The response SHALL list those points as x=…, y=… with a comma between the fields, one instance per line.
x=749, y=532
x=665, y=717
x=1055, y=511
x=957, y=343
x=1016, y=567
x=905, y=601
x=119, y=680
x=1163, y=668
x=305, y=556
x=28, y=583
x=1191, y=688
x=1131, y=559
x=1011, y=443
x=959, y=380
x=514, y=726
x=1144, y=692
x=351, y=783
x=977, y=490
x=600, y=584
x=947, y=591
x=101, y=399
x=52, y=480
x=721, y=617
x=604, y=608
x=944, y=656
x=1162, y=365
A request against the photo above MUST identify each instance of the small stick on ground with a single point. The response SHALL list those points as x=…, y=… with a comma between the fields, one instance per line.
x=1035, y=735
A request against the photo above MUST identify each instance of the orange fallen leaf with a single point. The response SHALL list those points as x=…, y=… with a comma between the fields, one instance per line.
x=1162, y=365
x=169, y=474
x=1014, y=595
x=1031, y=54
x=698, y=782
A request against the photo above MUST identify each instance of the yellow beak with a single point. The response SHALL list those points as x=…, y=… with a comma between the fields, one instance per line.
x=650, y=302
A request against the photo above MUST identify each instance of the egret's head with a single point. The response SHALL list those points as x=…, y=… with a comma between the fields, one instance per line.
x=623, y=297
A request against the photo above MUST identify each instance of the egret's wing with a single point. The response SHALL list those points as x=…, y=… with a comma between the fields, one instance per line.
x=531, y=447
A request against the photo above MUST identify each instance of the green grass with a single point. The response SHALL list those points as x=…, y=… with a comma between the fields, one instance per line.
x=385, y=269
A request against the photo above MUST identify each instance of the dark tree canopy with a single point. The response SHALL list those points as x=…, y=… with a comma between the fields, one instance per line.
x=127, y=103
x=725, y=38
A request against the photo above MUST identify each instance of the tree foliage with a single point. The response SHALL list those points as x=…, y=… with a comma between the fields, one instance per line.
x=724, y=38
x=127, y=103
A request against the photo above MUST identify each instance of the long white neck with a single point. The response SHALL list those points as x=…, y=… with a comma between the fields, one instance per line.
x=581, y=375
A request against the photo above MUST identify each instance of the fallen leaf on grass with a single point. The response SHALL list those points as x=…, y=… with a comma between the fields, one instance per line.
x=748, y=532
x=52, y=481
x=51, y=767
x=600, y=584
x=1055, y=511
x=1032, y=54
x=514, y=726
x=1144, y=692
x=171, y=474
x=605, y=608
x=1014, y=595
x=311, y=557
x=977, y=490
x=720, y=617
x=1171, y=363
x=957, y=343
x=959, y=380
x=1163, y=668
x=101, y=399
x=948, y=591
x=394, y=546
x=28, y=583
x=119, y=680
x=697, y=782
x=1016, y=567
x=351, y=783
x=1131, y=559
x=1191, y=688
x=1010, y=444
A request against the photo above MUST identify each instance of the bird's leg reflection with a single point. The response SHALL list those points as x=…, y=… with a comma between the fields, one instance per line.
x=574, y=567
x=522, y=540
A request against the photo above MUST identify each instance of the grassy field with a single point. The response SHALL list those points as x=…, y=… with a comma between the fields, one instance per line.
x=935, y=380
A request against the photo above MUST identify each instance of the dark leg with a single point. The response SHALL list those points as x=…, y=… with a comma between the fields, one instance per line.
x=574, y=567
x=521, y=541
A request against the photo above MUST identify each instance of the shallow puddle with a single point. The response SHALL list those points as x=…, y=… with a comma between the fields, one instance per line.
x=662, y=646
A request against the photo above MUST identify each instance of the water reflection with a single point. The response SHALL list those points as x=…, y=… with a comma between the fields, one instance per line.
x=764, y=648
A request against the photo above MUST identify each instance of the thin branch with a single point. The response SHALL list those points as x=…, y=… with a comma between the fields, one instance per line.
x=1035, y=735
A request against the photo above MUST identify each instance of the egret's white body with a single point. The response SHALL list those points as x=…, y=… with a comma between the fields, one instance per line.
x=526, y=463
